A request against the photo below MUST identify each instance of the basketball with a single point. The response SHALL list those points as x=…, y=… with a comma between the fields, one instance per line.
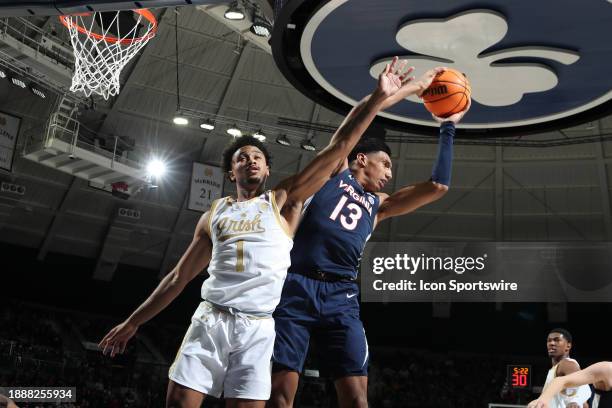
x=448, y=94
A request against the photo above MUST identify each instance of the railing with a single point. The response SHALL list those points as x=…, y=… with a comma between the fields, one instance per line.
x=35, y=38
x=65, y=128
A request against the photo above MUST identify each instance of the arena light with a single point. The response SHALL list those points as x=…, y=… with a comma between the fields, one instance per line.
x=180, y=120
x=18, y=82
x=283, y=140
x=234, y=12
x=156, y=168
x=308, y=145
x=2, y=74
x=261, y=27
x=259, y=135
x=207, y=124
x=234, y=131
x=38, y=92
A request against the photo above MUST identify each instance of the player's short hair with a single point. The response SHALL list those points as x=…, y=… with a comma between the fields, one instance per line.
x=369, y=145
x=565, y=333
x=240, y=142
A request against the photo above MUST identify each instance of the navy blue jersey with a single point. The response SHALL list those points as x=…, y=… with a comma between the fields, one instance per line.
x=335, y=226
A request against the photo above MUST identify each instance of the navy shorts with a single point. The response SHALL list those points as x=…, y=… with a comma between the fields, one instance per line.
x=327, y=313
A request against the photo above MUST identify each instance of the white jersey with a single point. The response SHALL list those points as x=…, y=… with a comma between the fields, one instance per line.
x=250, y=255
x=578, y=395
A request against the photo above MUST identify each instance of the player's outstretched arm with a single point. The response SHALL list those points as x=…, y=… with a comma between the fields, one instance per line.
x=193, y=261
x=413, y=86
x=417, y=195
x=330, y=160
x=598, y=372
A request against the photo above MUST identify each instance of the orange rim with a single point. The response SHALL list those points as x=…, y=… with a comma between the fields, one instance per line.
x=66, y=21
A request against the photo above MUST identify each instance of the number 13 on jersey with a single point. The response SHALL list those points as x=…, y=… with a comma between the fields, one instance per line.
x=348, y=221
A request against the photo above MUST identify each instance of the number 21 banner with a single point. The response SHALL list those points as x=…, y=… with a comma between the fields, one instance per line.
x=206, y=186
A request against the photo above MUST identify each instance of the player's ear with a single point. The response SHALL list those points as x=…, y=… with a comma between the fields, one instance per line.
x=362, y=159
x=231, y=177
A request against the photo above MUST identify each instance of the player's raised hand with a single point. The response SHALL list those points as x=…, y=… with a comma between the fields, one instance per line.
x=116, y=339
x=427, y=78
x=455, y=118
x=394, y=78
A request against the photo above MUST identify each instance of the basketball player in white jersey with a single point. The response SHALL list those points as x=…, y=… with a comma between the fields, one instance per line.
x=559, y=344
x=598, y=374
x=246, y=242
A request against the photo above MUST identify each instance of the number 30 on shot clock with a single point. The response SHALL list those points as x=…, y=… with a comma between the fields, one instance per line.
x=519, y=376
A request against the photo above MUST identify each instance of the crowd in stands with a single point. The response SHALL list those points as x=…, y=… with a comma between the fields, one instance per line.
x=35, y=351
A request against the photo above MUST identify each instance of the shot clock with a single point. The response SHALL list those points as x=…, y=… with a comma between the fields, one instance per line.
x=519, y=376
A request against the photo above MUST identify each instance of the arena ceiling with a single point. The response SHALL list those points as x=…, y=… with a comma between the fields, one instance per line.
x=558, y=188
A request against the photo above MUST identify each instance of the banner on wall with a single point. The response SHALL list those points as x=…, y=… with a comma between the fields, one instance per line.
x=9, y=129
x=206, y=186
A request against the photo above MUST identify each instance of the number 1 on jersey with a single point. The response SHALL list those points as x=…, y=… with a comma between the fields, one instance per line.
x=240, y=256
x=355, y=214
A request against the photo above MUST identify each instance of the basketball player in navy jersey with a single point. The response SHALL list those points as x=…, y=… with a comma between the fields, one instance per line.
x=246, y=242
x=319, y=298
x=598, y=374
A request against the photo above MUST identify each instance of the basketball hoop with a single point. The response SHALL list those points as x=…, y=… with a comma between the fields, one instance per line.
x=101, y=55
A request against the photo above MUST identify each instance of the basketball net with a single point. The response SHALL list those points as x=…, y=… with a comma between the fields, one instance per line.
x=101, y=50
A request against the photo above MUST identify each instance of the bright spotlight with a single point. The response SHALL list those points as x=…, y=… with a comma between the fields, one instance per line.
x=207, y=124
x=259, y=135
x=234, y=131
x=18, y=82
x=180, y=120
x=156, y=168
x=234, y=12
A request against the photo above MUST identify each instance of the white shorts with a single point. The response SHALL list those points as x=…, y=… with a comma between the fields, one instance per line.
x=222, y=352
